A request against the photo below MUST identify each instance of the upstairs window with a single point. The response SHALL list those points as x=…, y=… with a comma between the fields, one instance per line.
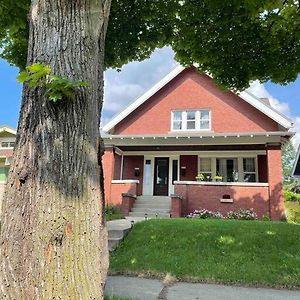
x=7, y=144
x=191, y=120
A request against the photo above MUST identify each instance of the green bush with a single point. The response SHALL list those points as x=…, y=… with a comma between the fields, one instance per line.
x=113, y=213
x=293, y=212
x=291, y=196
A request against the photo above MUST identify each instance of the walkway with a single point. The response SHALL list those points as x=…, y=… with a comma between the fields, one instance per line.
x=152, y=289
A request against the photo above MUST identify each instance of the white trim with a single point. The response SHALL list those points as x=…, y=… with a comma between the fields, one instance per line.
x=228, y=153
x=245, y=184
x=266, y=109
x=245, y=95
x=8, y=129
x=143, y=98
x=197, y=138
x=125, y=181
x=226, y=200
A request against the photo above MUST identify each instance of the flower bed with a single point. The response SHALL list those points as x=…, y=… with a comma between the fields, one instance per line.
x=241, y=214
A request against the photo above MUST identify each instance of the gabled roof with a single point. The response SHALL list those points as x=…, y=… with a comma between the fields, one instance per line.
x=245, y=95
x=5, y=128
x=296, y=169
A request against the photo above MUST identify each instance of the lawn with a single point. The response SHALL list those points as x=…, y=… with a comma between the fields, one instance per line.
x=240, y=252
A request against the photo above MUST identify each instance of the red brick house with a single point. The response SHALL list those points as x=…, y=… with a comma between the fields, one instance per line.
x=186, y=144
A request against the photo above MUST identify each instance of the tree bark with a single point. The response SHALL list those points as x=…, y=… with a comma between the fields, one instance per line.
x=53, y=233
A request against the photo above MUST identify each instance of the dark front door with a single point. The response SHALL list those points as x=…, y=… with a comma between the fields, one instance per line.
x=161, y=176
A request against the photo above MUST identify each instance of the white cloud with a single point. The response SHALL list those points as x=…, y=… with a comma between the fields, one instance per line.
x=121, y=88
x=260, y=91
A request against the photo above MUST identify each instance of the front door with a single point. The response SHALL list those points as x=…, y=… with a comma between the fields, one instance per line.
x=161, y=176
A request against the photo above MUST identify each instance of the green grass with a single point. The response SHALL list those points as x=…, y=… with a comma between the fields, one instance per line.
x=240, y=252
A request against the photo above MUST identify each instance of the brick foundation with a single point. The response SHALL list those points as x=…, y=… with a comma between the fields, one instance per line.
x=209, y=197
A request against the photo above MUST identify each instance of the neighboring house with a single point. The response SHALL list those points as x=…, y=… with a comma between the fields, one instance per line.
x=187, y=126
x=296, y=169
x=7, y=143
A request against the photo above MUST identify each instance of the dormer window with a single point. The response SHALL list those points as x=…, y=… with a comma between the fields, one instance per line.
x=186, y=120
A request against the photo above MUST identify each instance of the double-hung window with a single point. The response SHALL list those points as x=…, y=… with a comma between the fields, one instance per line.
x=205, y=168
x=191, y=120
x=7, y=144
x=249, y=169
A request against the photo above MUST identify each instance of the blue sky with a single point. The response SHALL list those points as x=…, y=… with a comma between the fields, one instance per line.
x=134, y=79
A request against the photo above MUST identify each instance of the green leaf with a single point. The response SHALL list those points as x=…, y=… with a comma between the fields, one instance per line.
x=22, y=77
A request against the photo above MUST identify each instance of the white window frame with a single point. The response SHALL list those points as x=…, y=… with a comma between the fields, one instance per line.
x=239, y=156
x=255, y=172
x=9, y=144
x=184, y=120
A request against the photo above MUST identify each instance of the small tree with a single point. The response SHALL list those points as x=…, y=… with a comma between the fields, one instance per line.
x=288, y=159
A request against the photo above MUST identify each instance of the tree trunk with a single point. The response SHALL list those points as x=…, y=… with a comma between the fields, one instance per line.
x=53, y=234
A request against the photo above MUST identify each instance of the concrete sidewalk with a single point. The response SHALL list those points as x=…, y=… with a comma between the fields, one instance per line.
x=151, y=289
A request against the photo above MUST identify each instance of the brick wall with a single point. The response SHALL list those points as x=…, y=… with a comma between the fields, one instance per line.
x=208, y=197
x=117, y=189
x=130, y=163
x=274, y=168
x=190, y=90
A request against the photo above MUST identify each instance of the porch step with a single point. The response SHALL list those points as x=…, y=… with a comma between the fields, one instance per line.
x=154, y=199
x=153, y=206
x=150, y=215
x=151, y=209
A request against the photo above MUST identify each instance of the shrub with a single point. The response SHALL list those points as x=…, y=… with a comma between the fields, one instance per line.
x=293, y=212
x=242, y=214
x=113, y=213
x=291, y=196
x=205, y=214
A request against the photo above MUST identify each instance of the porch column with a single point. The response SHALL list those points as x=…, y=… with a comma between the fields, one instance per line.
x=108, y=163
x=274, y=166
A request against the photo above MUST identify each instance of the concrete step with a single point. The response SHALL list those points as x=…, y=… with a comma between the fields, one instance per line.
x=117, y=230
x=119, y=234
x=113, y=243
x=149, y=215
x=151, y=205
x=154, y=198
x=151, y=210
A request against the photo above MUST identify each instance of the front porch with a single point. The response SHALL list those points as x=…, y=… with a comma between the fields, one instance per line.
x=244, y=176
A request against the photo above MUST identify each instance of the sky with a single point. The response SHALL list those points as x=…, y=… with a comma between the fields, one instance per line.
x=125, y=86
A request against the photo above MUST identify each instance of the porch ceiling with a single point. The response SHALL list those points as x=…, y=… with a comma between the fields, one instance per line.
x=198, y=139
x=194, y=148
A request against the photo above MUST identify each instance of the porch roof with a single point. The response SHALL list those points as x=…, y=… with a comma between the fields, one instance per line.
x=205, y=138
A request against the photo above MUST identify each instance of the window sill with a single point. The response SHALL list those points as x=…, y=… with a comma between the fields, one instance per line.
x=125, y=181
x=214, y=183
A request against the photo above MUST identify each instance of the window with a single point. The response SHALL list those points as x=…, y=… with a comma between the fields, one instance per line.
x=249, y=169
x=177, y=120
x=8, y=144
x=227, y=168
x=205, y=168
x=191, y=120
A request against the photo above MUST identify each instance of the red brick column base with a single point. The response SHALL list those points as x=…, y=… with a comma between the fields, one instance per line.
x=176, y=206
x=127, y=203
